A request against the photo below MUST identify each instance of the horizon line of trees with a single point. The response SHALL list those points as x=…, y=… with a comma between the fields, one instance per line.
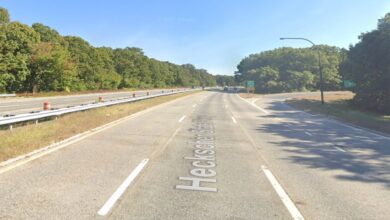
x=38, y=58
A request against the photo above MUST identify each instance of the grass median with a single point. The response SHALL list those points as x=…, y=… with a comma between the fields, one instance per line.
x=30, y=137
x=340, y=107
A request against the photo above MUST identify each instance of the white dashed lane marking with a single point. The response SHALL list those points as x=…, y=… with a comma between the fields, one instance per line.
x=308, y=133
x=295, y=214
x=182, y=118
x=122, y=188
x=340, y=149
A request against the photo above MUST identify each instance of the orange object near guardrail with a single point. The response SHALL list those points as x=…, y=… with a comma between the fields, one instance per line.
x=46, y=106
x=101, y=99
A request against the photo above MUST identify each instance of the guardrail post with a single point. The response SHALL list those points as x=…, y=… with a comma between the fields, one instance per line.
x=133, y=95
x=147, y=93
x=10, y=127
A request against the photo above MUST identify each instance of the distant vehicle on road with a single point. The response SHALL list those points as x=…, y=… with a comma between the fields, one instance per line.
x=231, y=89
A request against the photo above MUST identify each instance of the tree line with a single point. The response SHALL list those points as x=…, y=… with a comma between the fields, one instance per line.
x=38, y=58
x=225, y=80
x=291, y=69
x=366, y=65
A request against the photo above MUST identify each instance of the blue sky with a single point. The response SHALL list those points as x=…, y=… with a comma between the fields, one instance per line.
x=210, y=34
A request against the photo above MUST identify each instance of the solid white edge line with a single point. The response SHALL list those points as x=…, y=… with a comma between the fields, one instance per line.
x=351, y=127
x=234, y=120
x=340, y=149
x=254, y=105
x=261, y=109
x=182, y=118
x=288, y=203
x=358, y=129
x=122, y=188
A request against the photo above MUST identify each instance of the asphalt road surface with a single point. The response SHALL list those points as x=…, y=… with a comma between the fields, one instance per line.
x=209, y=156
x=21, y=105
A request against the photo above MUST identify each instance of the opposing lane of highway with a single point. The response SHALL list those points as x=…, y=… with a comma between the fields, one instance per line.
x=24, y=105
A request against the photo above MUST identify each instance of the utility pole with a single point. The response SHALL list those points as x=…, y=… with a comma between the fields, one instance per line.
x=319, y=63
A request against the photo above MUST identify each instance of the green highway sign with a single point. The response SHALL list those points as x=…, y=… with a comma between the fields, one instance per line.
x=349, y=84
x=250, y=84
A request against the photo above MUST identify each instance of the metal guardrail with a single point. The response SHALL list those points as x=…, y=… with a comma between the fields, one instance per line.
x=7, y=95
x=14, y=119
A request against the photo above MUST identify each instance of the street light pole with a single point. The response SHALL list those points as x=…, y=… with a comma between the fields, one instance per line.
x=319, y=63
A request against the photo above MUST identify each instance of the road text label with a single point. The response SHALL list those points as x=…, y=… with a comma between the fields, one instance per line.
x=203, y=159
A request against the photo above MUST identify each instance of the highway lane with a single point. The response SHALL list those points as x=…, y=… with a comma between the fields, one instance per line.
x=247, y=145
x=24, y=105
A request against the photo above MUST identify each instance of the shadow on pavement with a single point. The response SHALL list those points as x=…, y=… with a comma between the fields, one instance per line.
x=313, y=141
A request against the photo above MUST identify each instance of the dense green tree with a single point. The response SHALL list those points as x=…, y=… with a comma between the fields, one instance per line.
x=291, y=69
x=16, y=44
x=81, y=52
x=48, y=34
x=104, y=67
x=4, y=16
x=95, y=66
x=51, y=68
x=224, y=80
x=368, y=65
x=169, y=74
x=267, y=79
x=127, y=64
